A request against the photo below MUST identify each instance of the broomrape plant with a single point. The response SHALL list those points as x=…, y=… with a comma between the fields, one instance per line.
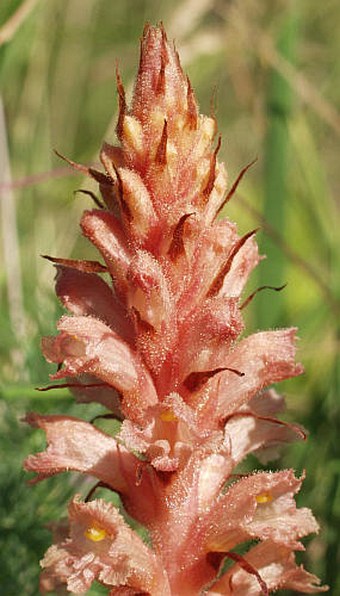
x=157, y=345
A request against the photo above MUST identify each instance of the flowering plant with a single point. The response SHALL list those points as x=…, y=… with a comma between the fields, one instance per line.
x=158, y=345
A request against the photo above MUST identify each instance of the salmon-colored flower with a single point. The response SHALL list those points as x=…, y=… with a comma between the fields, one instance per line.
x=102, y=547
x=153, y=335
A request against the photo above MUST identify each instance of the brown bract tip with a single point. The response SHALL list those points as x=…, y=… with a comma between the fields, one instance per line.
x=121, y=103
x=177, y=243
x=218, y=282
x=212, y=172
x=192, y=110
x=161, y=150
x=196, y=380
x=79, y=265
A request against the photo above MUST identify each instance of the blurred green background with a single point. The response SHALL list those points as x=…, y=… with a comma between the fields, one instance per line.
x=273, y=69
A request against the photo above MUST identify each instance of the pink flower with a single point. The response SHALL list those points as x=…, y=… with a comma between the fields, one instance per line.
x=101, y=546
x=157, y=343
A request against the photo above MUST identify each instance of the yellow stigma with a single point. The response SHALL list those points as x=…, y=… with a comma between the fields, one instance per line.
x=95, y=533
x=168, y=416
x=264, y=498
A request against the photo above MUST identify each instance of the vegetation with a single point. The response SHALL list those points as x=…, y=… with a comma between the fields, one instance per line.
x=274, y=70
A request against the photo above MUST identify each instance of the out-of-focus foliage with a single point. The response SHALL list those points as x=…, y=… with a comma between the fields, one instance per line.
x=271, y=71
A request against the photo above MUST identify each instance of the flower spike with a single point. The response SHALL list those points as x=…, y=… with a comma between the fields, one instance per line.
x=153, y=335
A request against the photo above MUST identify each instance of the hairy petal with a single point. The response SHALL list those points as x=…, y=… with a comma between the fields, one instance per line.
x=255, y=429
x=260, y=506
x=87, y=294
x=136, y=196
x=264, y=358
x=75, y=445
x=149, y=293
x=207, y=335
x=276, y=566
x=104, y=230
x=243, y=264
x=79, y=446
x=87, y=346
x=102, y=547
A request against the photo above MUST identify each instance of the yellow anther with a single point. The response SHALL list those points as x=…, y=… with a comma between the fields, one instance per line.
x=264, y=498
x=168, y=416
x=95, y=533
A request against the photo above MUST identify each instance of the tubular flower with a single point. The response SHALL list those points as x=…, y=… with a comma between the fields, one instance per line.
x=153, y=334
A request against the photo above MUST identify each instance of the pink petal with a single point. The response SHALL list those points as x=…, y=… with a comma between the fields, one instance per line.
x=205, y=337
x=260, y=506
x=178, y=538
x=105, y=231
x=276, y=566
x=264, y=358
x=211, y=250
x=87, y=294
x=88, y=346
x=243, y=264
x=149, y=293
x=254, y=429
x=75, y=445
x=79, y=446
x=138, y=200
